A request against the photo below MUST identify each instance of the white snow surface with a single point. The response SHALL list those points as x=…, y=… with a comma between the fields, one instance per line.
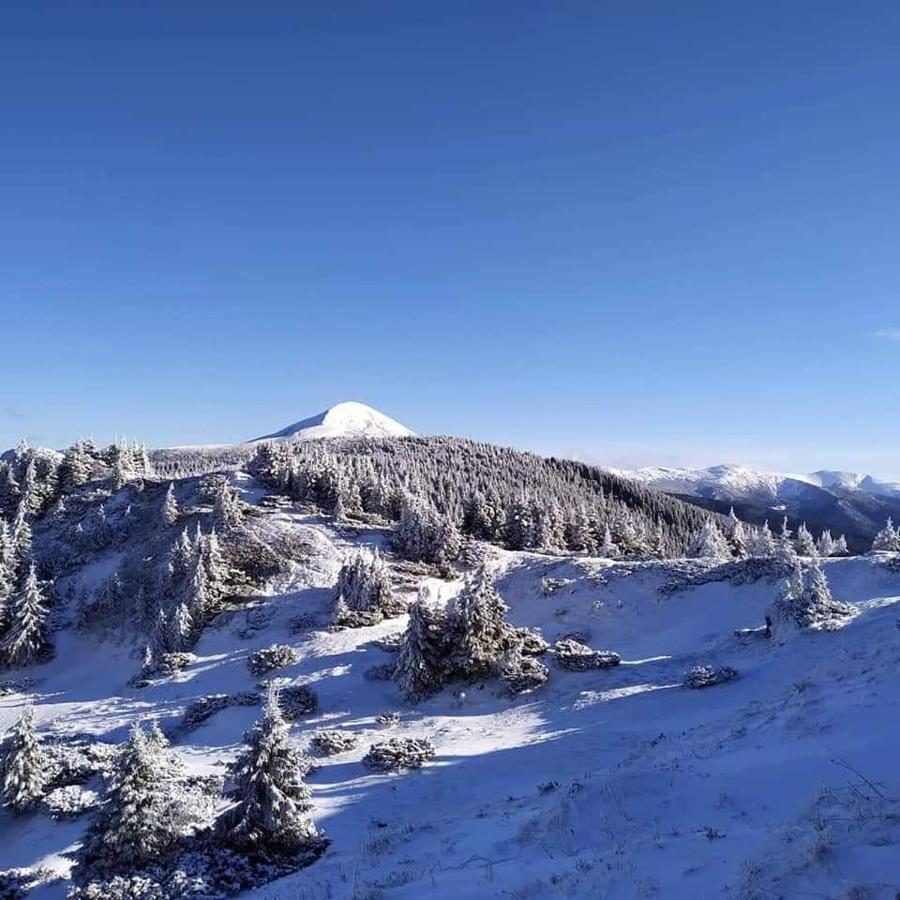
x=348, y=419
x=616, y=783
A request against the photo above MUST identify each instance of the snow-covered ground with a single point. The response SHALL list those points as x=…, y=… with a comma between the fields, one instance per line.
x=614, y=783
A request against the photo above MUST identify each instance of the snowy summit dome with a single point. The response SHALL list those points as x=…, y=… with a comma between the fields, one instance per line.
x=349, y=419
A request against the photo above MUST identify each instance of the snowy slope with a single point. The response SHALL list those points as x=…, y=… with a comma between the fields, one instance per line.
x=349, y=419
x=616, y=783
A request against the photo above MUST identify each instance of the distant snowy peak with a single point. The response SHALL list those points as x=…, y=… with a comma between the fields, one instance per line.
x=349, y=419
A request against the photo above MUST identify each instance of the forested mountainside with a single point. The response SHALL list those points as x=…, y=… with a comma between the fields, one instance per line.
x=275, y=617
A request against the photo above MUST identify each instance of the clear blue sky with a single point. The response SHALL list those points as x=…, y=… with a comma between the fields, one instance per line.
x=633, y=232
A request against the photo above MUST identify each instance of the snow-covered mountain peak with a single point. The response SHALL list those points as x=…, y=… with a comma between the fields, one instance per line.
x=347, y=419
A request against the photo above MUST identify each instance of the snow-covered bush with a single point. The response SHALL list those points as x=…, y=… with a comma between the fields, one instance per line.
x=328, y=742
x=399, y=753
x=199, y=710
x=706, y=676
x=172, y=663
x=531, y=642
x=388, y=719
x=520, y=673
x=276, y=656
x=302, y=622
x=70, y=802
x=296, y=701
x=578, y=657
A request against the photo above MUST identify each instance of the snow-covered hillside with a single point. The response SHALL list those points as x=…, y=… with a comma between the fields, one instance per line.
x=615, y=782
x=349, y=419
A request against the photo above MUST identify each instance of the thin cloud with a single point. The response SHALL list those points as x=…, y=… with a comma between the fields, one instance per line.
x=888, y=334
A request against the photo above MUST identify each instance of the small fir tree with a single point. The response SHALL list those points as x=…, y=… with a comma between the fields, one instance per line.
x=24, y=766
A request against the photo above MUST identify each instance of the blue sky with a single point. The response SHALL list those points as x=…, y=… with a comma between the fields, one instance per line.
x=632, y=232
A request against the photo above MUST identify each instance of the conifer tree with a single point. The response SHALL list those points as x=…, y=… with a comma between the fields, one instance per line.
x=738, y=535
x=477, y=628
x=710, y=543
x=182, y=627
x=272, y=798
x=762, y=544
x=227, y=512
x=24, y=766
x=420, y=670
x=143, y=816
x=170, y=511
x=826, y=544
x=806, y=546
x=27, y=639
x=887, y=540
x=608, y=548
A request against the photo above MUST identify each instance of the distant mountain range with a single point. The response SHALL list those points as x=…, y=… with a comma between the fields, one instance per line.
x=845, y=502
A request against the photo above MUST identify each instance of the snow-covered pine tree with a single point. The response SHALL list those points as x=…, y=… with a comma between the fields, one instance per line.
x=170, y=511
x=273, y=801
x=784, y=548
x=840, y=547
x=76, y=466
x=181, y=555
x=806, y=546
x=22, y=540
x=519, y=528
x=161, y=641
x=826, y=544
x=215, y=566
x=887, y=540
x=227, y=512
x=476, y=630
x=143, y=815
x=710, y=543
x=364, y=584
x=199, y=600
x=24, y=765
x=27, y=640
x=182, y=627
x=815, y=605
x=737, y=535
x=7, y=567
x=762, y=544
x=420, y=670
x=578, y=532
x=608, y=549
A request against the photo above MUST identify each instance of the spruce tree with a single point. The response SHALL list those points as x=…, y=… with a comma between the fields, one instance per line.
x=24, y=766
x=143, y=815
x=27, y=639
x=806, y=546
x=272, y=798
x=477, y=628
x=710, y=543
x=887, y=540
x=420, y=670
x=170, y=511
